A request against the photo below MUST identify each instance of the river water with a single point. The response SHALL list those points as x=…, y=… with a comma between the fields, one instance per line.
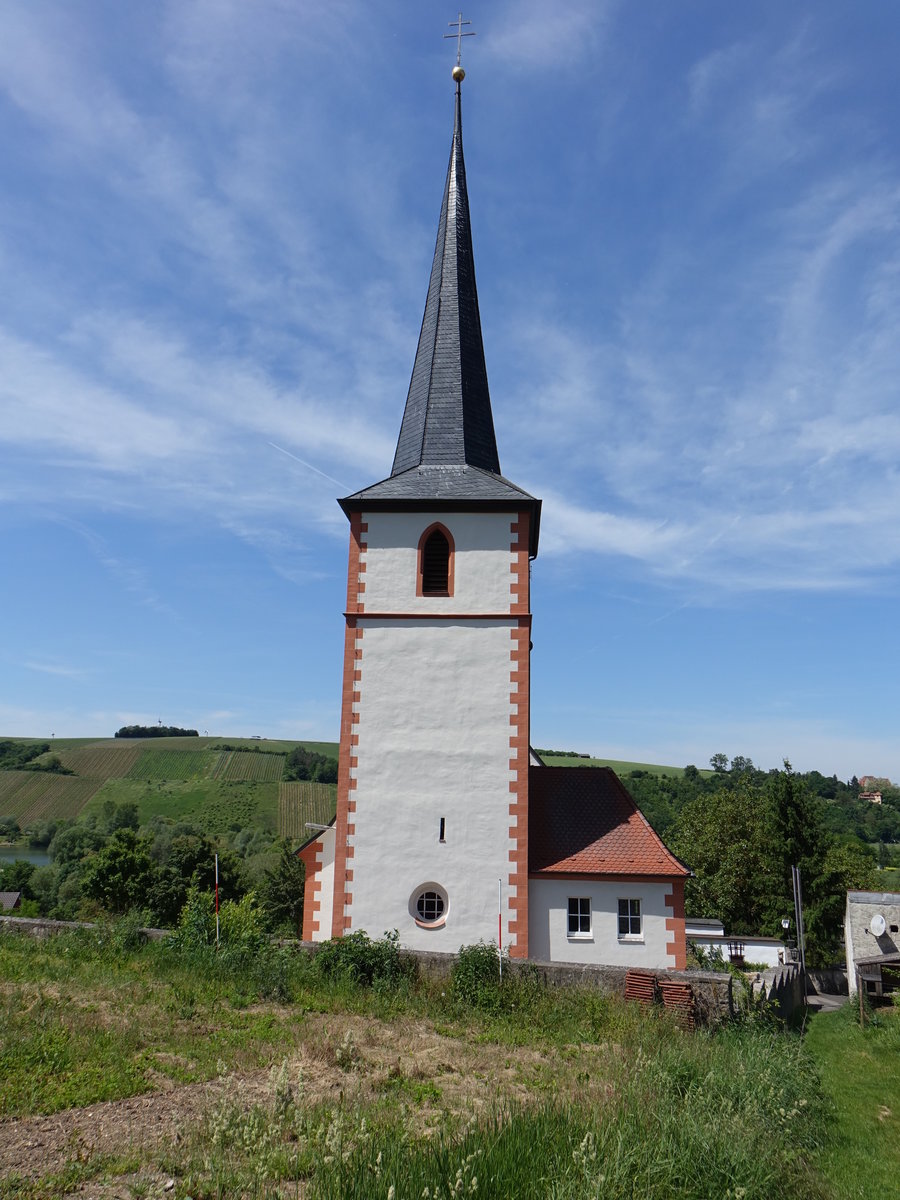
x=9, y=854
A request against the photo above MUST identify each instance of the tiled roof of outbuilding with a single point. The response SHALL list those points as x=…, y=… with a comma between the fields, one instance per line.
x=581, y=821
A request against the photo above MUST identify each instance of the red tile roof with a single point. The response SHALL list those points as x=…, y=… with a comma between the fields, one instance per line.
x=581, y=821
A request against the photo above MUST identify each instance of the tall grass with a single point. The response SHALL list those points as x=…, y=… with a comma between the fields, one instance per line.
x=709, y=1117
x=620, y=1104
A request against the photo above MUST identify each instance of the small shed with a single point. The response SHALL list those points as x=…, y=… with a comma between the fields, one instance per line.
x=10, y=900
x=872, y=939
x=878, y=974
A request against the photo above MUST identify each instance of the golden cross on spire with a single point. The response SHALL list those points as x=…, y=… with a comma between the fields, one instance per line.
x=458, y=72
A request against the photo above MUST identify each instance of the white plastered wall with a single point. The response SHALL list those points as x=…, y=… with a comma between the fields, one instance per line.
x=325, y=857
x=482, y=560
x=434, y=733
x=769, y=951
x=548, y=910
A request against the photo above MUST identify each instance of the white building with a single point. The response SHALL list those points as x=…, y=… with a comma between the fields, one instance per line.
x=709, y=934
x=443, y=832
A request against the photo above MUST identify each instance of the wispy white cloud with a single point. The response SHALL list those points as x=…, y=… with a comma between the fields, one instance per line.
x=127, y=574
x=55, y=668
x=730, y=422
x=529, y=35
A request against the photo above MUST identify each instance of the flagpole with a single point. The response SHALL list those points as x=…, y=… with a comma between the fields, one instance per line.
x=500, y=924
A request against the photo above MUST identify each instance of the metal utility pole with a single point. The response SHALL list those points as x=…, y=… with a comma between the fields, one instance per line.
x=798, y=913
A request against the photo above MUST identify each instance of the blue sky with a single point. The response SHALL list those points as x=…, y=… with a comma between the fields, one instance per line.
x=216, y=225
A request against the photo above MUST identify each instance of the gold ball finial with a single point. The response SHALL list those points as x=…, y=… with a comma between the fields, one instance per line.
x=458, y=73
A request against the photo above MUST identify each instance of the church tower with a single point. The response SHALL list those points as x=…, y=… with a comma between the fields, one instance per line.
x=431, y=834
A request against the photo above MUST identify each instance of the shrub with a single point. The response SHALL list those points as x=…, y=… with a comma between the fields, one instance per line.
x=475, y=977
x=362, y=960
x=244, y=956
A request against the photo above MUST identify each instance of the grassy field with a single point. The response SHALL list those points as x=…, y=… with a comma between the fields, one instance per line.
x=620, y=767
x=194, y=779
x=215, y=805
x=861, y=1075
x=257, y=1074
x=156, y=763
x=249, y=764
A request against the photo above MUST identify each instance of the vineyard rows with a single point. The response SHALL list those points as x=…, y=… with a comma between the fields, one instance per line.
x=249, y=765
x=100, y=762
x=174, y=764
x=300, y=802
x=31, y=796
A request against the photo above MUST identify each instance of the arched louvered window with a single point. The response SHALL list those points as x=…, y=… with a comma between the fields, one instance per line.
x=435, y=562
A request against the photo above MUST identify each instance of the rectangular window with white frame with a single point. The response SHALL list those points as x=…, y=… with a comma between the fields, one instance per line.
x=579, y=916
x=630, y=927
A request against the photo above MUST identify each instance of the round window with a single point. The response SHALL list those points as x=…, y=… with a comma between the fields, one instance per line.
x=428, y=905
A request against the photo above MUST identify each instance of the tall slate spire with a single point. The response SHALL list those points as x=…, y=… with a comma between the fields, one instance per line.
x=446, y=457
x=447, y=420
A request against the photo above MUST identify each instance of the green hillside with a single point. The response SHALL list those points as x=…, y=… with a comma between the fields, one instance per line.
x=218, y=784
x=559, y=758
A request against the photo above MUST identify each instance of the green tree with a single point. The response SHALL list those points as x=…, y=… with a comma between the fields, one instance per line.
x=15, y=755
x=115, y=816
x=797, y=838
x=120, y=875
x=301, y=763
x=72, y=842
x=281, y=892
x=16, y=877
x=721, y=836
x=184, y=861
x=9, y=829
x=740, y=765
x=846, y=866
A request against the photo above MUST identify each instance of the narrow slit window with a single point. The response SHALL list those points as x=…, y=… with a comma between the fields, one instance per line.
x=441, y=837
x=436, y=565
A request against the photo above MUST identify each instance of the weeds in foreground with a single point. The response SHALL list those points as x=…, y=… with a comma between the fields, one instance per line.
x=645, y=1111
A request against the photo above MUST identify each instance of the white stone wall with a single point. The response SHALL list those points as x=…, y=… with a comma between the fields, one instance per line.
x=482, y=560
x=325, y=856
x=434, y=733
x=548, y=909
x=769, y=951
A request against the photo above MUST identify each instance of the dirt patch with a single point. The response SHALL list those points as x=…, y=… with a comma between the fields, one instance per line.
x=341, y=1055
